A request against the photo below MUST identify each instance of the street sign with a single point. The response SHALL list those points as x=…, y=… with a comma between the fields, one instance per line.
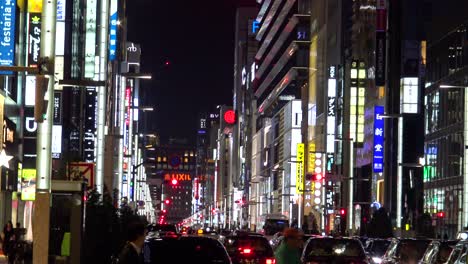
x=78, y=171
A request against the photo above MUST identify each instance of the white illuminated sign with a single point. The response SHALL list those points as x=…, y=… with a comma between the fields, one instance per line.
x=56, y=141
x=90, y=43
x=30, y=90
x=409, y=95
x=331, y=113
x=31, y=125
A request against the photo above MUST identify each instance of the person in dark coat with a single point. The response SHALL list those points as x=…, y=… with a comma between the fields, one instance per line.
x=131, y=252
x=8, y=241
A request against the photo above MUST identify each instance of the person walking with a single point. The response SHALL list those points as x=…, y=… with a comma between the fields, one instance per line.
x=289, y=250
x=131, y=252
x=8, y=238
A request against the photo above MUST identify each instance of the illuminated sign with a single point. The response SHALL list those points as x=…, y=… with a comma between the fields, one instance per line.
x=90, y=38
x=319, y=176
x=7, y=33
x=378, y=139
x=113, y=30
x=230, y=117
x=300, y=167
x=178, y=176
x=128, y=92
x=409, y=91
x=331, y=119
x=357, y=101
x=57, y=108
x=28, y=185
x=30, y=90
x=61, y=10
x=90, y=124
x=34, y=47
x=34, y=6
x=255, y=26
x=56, y=141
x=133, y=53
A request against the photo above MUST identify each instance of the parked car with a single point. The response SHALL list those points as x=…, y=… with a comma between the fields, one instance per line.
x=459, y=253
x=405, y=250
x=184, y=249
x=438, y=252
x=376, y=248
x=249, y=248
x=329, y=250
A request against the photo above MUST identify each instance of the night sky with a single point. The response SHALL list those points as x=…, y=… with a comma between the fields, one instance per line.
x=197, y=39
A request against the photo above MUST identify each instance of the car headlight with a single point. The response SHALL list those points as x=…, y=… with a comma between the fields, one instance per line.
x=377, y=260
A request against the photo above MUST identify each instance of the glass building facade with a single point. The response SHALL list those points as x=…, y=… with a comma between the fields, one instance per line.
x=445, y=132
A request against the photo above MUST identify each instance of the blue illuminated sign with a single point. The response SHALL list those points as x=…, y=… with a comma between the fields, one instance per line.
x=255, y=26
x=113, y=31
x=378, y=139
x=7, y=33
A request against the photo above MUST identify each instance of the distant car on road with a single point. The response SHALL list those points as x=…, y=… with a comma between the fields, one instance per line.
x=322, y=250
x=249, y=248
x=405, y=250
x=184, y=249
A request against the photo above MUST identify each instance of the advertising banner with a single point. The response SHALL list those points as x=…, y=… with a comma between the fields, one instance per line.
x=90, y=38
x=34, y=37
x=7, y=33
x=28, y=185
x=300, y=167
x=113, y=30
x=378, y=139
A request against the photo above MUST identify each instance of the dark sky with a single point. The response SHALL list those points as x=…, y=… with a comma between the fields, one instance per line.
x=197, y=38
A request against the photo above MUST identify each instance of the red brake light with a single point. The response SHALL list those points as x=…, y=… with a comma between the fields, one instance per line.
x=245, y=250
x=271, y=261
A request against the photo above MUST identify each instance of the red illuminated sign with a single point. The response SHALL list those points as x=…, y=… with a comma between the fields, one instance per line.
x=178, y=176
x=127, y=101
x=230, y=117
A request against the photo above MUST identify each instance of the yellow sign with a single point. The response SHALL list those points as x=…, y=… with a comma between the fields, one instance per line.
x=28, y=185
x=35, y=6
x=299, y=167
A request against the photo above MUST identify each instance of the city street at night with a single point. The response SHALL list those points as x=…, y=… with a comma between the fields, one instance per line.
x=234, y=131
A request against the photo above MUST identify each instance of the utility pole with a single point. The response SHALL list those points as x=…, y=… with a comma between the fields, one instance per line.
x=44, y=140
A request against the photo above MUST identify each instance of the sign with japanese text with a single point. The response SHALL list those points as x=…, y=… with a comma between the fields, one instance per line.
x=300, y=167
x=378, y=139
x=113, y=30
x=90, y=38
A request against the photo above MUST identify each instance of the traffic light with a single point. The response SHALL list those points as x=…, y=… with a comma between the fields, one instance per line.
x=316, y=177
x=40, y=106
x=342, y=212
x=167, y=201
x=440, y=214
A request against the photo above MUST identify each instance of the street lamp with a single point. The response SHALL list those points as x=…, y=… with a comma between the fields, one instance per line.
x=351, y=181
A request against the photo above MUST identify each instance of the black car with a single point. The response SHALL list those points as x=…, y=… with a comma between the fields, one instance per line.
x=376, y=248
x=162, y=228
x=249, y=248
x=184, y=249
x=438, y=252
x=329, y=250
x=405, y=250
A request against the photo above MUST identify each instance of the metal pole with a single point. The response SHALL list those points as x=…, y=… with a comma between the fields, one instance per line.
x=44, y=141
x=399, y=197
x=351, y=186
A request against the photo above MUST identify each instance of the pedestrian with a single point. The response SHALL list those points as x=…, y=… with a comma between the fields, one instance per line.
x=131, y=252
x=8, y=238
x=289, y=250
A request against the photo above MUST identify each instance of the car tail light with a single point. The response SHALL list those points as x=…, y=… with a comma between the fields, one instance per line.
x=270, y=261
x=246, y=251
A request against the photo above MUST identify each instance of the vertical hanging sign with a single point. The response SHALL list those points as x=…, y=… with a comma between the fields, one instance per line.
x=7, y=39
x=113, y=30
x=34, y=36
x=378, y=139
x=380, y=43
x=90, y=43
x=299, y=167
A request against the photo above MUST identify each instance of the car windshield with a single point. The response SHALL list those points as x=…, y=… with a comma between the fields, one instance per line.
x=330, y=247
x=273, y=226
x=412, y=250
x=379, y=247
x=258, y=246
x=185, y=250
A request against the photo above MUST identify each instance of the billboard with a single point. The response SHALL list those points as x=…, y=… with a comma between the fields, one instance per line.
x=28, y=185
x=7, y=33
x=378, y=139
